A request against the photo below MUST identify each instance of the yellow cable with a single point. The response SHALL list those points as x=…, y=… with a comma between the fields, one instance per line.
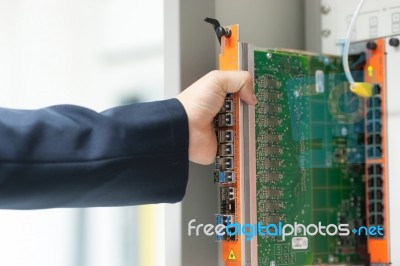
x=362, y=89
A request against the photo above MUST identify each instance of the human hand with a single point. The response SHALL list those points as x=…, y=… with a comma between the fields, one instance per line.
x=203, y=100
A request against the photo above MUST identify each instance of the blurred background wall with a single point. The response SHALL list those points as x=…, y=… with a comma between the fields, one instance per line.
x=95, y=53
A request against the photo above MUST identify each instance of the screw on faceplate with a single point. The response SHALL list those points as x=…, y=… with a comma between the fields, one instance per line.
x=371, y=45
x=325, y=9
x=220, y=31
x=394, y=42
x=325, y=33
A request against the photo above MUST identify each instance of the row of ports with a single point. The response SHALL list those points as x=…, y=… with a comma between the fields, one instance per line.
x=374, y=124
x=226, y=220
x=375, y=206
x=224, y=174
x=374, y=149
x=374, y=116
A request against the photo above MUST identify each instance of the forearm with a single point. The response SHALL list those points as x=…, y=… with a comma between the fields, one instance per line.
x=69, y=156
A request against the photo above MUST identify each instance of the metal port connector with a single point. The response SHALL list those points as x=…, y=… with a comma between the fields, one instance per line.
x=378, y=139
x=378, y=127
x=224, y=177
x=224, y=163
x=372, y=219
x=378, y=114
x=374, y=102
x=371, y=207
x=375, y=151
x=225, y=149
x=227, y=193
x=225, y=136
x=224, y=120
x=371, y=182
x=227, y=107
x=370, y=115
x=379, y=219
x=378, y=169
x=370, y=139
x=370, y=127
x=371, y=169
x=374, y=127
x=377, y=89
x=375, y=169
x=379, y=207
x=227, y=200
x=374, y=114
x=379, y=194
x=371, y=194
x=374, y=138
x=227, y=219
x=232, y=237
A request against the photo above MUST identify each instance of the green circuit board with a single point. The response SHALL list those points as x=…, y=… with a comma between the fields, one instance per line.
x=309, y=157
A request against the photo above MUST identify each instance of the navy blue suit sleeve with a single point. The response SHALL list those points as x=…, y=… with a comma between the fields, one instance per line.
x=70, y=156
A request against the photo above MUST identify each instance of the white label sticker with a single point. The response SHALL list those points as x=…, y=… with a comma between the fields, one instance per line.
x=299, y=243
x=319, y=81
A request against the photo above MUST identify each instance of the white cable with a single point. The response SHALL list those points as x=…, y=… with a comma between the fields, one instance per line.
x=347, y=44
